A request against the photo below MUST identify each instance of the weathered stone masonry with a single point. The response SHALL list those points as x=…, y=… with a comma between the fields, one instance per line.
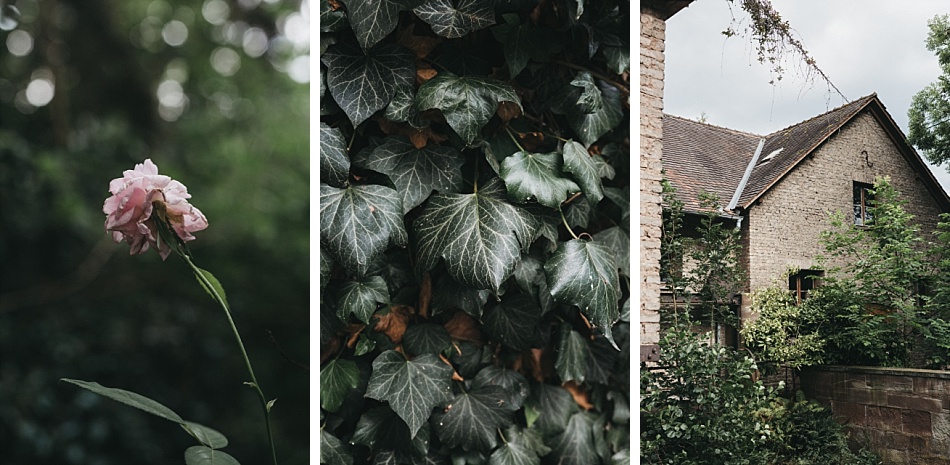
x=785, y=224
x=652, y=36
x=903, y=414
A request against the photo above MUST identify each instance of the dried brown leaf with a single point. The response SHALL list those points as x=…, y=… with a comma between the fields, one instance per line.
x=579, y=394
x=463, y=328
x=394, y=323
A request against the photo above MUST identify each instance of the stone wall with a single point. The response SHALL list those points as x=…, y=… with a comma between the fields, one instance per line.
x=652, y=37
x=781, y=231
x=903, y=415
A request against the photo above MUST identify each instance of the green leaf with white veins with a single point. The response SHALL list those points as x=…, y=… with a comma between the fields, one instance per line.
x=455, y=18
x=332, y=450
x=513, y=454
x=416, y=172
x=619, y=242
x=575, y=445
x=365, y=83
x=585, y=274
x=412, y=387
x=467, y=102
x=513, y=320
x=536, y=175
x=471, y=420
x=572, y=355
x=590, y=126
x=360, y=296
x=590, y=100
x=381, y=429
x=518, y=40
x=480, y=235
x=359, y=222
x=372, y=20
x=585, y=170
x=334, y=162
x=337, y=377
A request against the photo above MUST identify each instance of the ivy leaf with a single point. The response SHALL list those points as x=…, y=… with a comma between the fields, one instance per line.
x=529, y=438
x=415, y=172
x=363, y=84
x=471, y=419
x=572, y=355
x=513, y=454
x=618, y=59
x=480, y=236
x=578, y=213
x=336, y=379
x=202, y=455
x=513, y=321
x=590, y=100
x=600, y=361
x=359, y=297
x=426, y=338
x=584, y=273
x=331, y=20
x=358, y=223
x=334, y=163
x=518, y=41
x=536, y=175
x=381, y=429
x=618, y=241
x=467, y=102
x=412, y=387
x=555, y=406
x=621, y=198
x=326, y=268
x=511, y=381
x=590, y=126
x=374, y=20
x=585, y=170
x=329, y=324
x=455, y=18
x=402, y=107
x=575, y=445
x=332, y=450
x=448, y=295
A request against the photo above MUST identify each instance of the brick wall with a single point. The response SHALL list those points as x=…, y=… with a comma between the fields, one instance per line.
x=652, y=36
x=781, y=231
x=903, y=414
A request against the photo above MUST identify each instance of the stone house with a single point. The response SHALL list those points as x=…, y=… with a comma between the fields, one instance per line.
x=779, y=189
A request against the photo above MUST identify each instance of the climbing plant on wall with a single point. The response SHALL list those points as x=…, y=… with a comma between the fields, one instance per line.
x=474, y=231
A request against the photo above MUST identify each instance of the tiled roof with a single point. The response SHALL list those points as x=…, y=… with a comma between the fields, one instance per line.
x=796, y=142
x=698, y=156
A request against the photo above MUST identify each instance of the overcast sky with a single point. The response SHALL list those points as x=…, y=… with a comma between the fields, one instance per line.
x=864, y=46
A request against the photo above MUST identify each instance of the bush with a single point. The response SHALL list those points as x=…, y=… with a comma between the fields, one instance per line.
x=704, y=406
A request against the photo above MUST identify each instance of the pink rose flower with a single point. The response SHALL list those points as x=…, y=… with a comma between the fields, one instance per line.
x=136, y=195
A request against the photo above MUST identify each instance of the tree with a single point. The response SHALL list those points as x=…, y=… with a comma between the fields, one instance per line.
x=474, y=237
x=929, y=111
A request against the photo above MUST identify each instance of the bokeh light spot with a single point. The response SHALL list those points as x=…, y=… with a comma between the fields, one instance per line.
x=175, y=33
x=19, y=43
x=225, y=61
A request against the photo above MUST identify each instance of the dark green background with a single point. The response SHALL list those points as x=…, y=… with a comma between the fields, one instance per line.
x=74, y=304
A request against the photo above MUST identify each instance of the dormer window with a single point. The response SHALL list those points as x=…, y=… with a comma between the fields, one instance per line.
x=863, y=198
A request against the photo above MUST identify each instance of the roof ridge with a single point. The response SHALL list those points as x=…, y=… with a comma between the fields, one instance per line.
x=735, y=131
x=839, y=108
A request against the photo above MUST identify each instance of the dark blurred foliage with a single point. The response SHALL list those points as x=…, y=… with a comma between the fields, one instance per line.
x=215, y=93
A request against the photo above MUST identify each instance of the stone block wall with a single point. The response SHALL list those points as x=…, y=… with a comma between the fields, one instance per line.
x=652, y=37
x=901, y=414
x=781, y=229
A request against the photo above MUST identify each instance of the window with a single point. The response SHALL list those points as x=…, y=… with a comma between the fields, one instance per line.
x=799, y=284
x=863, y=198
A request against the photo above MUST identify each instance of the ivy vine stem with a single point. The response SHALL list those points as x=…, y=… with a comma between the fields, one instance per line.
x=564, y=220
x=247, y=361
x=514, y=139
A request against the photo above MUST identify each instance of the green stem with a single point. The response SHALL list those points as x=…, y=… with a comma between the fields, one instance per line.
x=564, y=220
x=514, y=139
x=247, y=361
